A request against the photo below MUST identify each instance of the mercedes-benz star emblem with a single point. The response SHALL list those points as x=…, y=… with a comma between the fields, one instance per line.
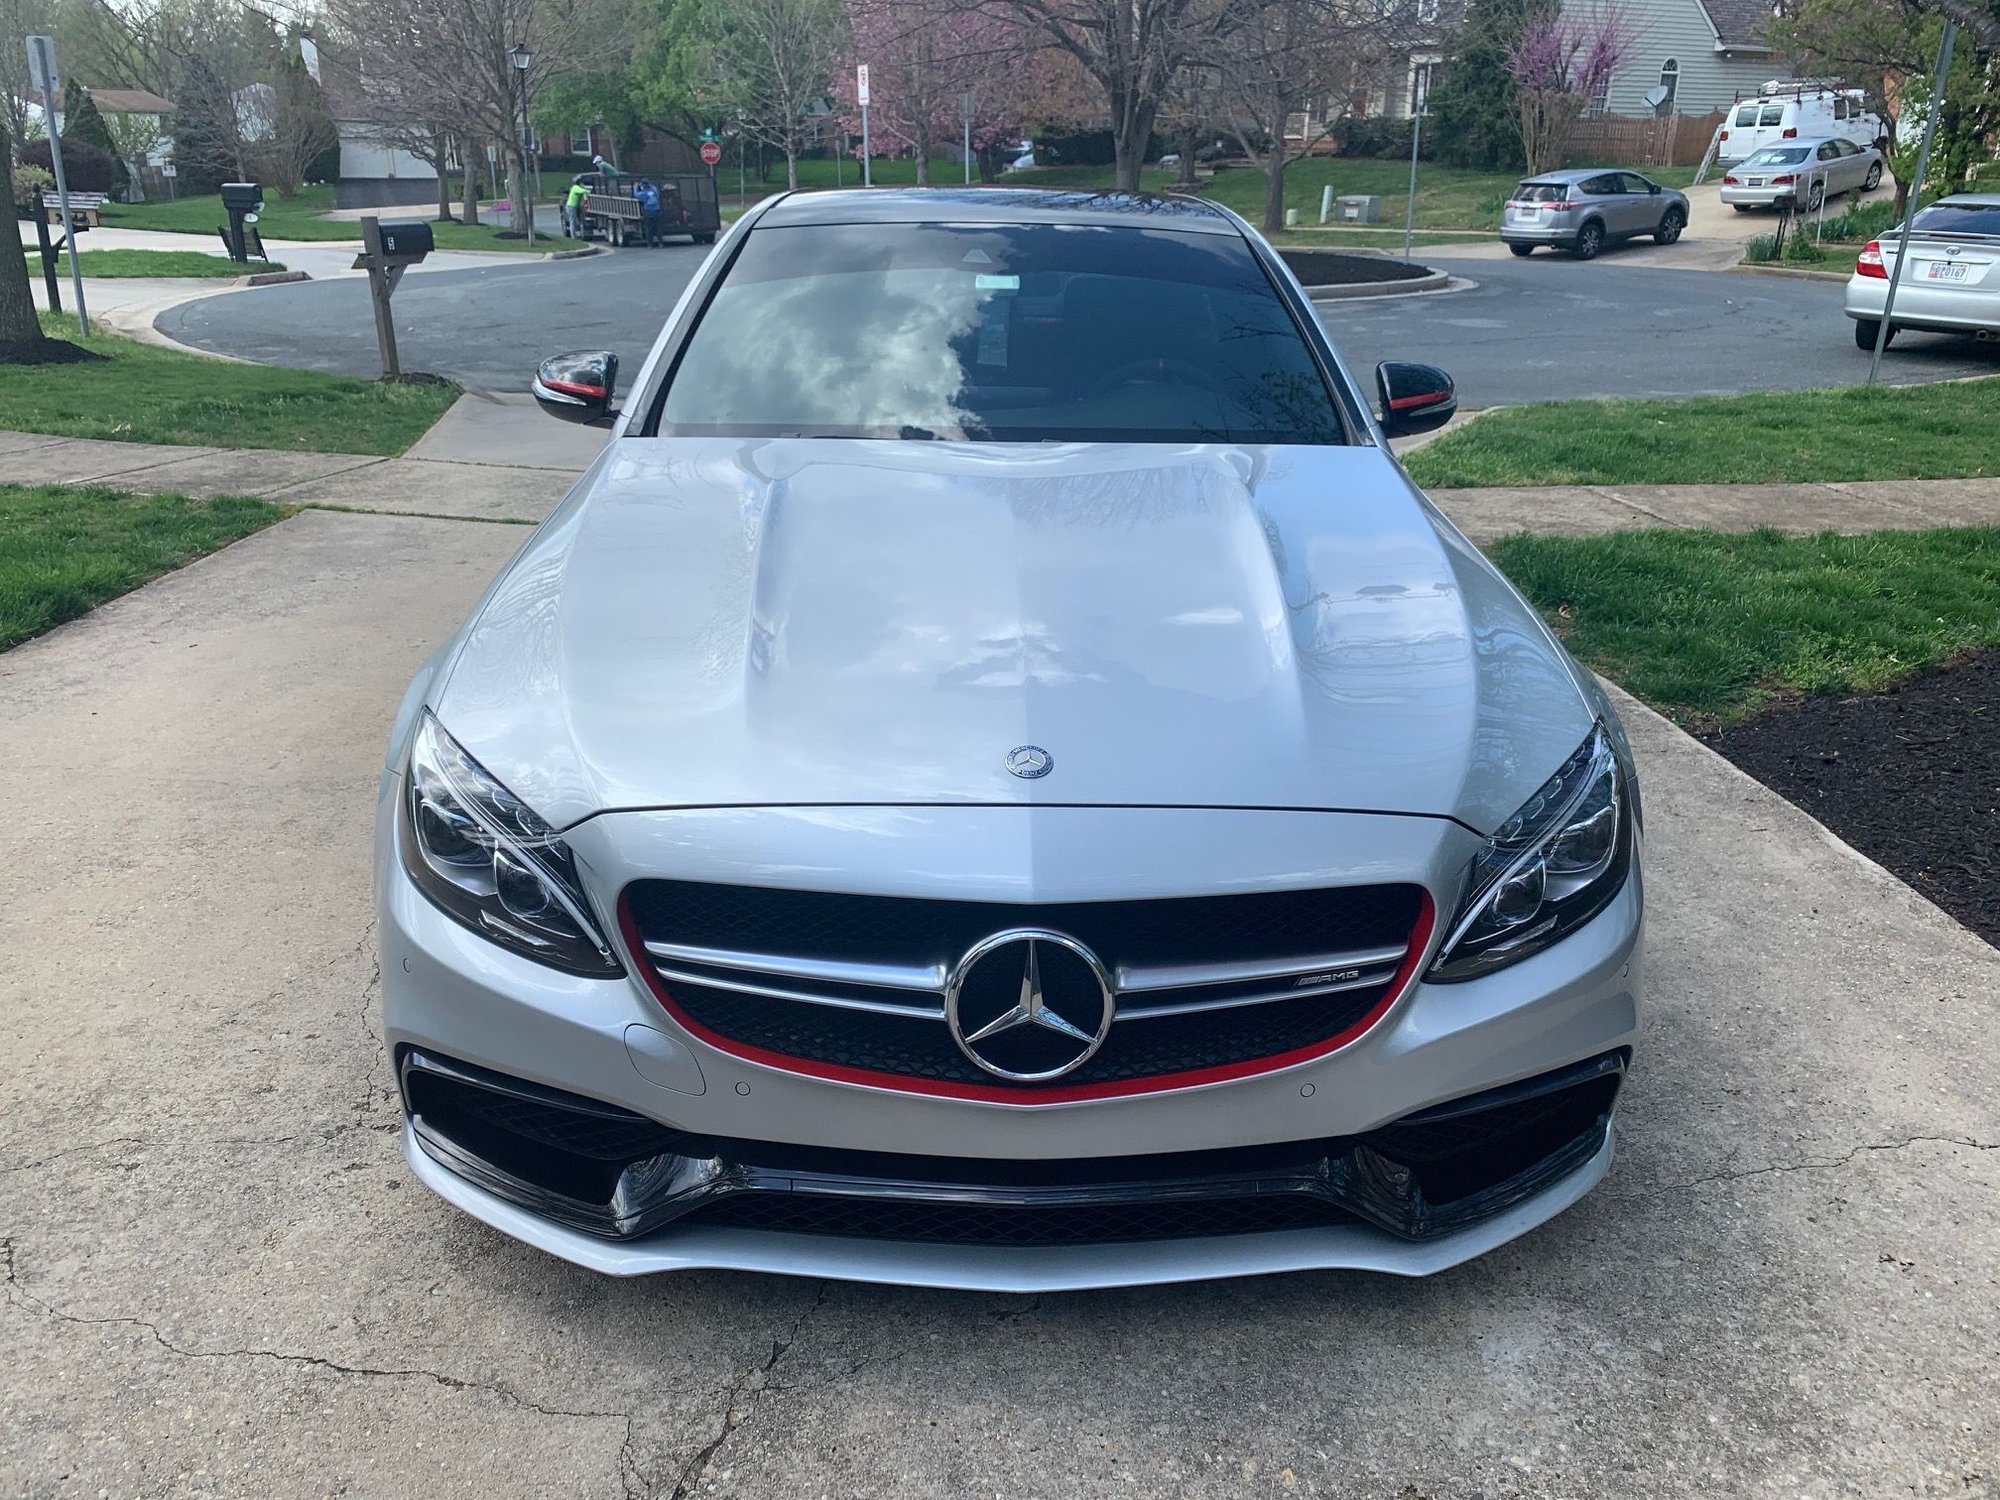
x=1029, y=1006
x=1030, y=762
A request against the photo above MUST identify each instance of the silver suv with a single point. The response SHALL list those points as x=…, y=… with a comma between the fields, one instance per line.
x=1583, y=210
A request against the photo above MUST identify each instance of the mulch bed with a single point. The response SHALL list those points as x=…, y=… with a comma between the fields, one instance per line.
x=1909, y=776
x=46, y=352
x=1330, y=268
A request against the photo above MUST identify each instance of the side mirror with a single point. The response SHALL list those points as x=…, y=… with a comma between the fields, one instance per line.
x=1654, y=188
x=1415, y=398
x=578, y=387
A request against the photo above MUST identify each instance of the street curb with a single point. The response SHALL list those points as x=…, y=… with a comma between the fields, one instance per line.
x=584, y=253
x=275, y=278
x=1431, y=281
x=1796, y=272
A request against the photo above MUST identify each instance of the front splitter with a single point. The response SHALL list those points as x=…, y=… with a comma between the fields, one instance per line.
x=987, y=1268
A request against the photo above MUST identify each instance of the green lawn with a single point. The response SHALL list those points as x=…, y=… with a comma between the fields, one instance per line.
x=1702, y=624
x=64, y=551
x=1944, y=431
x=299, y=219
x=165, y=263
x=1447, y=198
x=144, y=394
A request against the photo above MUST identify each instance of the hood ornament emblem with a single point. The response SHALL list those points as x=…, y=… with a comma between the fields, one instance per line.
x=1028, y=1005
x=1030, y=762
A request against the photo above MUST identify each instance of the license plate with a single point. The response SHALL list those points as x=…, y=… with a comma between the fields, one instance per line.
x=1753, y=182
x=1944, y=270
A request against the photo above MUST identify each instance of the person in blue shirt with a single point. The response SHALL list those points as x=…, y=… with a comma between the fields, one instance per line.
x=649, y=210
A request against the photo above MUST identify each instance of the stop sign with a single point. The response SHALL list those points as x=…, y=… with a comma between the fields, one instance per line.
x=711, y=153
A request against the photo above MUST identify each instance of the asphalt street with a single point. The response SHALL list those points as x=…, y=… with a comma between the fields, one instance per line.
x=1540, y=330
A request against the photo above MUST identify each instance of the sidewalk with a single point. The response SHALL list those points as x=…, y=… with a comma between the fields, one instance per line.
x=437, y=478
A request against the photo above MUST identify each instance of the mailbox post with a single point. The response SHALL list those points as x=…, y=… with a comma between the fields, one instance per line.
x=244, y=200
x=386, y=250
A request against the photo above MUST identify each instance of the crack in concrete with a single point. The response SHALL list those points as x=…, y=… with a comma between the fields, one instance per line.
x=754, y=1383
x=142, y=1140
x=1839, y=1161
x=10, y=1274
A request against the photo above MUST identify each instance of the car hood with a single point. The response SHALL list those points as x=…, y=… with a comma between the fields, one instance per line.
x=715, y=622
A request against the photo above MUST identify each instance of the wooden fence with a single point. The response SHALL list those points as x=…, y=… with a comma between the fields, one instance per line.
x=1626, y=141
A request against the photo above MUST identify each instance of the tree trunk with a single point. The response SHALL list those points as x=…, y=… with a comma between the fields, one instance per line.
x=440, y=156
x=518, y=207
x=792, y=165
x=20, y=330
x=469, y=211
x=1274, y=191
x=1190, y=143
x=1132, y=129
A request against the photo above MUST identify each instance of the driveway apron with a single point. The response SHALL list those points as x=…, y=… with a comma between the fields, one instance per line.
x=220, y=1279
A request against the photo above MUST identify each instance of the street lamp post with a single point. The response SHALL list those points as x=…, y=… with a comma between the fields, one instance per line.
x=521, y=57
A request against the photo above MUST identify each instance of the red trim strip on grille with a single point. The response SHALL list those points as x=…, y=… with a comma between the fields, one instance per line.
x=1420, y=936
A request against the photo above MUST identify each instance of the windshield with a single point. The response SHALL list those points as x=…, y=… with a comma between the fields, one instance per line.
x=1006, y=333
x=1788, y=156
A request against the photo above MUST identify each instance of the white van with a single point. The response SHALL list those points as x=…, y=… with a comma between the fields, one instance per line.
x=1790, y=110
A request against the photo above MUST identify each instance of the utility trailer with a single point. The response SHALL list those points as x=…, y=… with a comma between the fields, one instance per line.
x=687, y=207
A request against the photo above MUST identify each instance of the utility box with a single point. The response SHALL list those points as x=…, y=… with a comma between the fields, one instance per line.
x=1358, y=209
x=407, y=242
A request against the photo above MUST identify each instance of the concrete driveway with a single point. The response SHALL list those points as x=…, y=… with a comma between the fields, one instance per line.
x=221, y=1281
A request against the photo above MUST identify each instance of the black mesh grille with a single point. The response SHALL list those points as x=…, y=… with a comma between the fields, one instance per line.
x=990, y=1224
x=902, y=930
x=920, y=1048
x=908, y=930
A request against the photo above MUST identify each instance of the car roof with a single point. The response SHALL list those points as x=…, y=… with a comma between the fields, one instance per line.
x=1578, y=174
x=1969, y=200
x=1806, y=140
x=996, y=205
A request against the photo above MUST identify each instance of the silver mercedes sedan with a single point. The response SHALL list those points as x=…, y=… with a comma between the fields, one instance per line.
x=997, y=779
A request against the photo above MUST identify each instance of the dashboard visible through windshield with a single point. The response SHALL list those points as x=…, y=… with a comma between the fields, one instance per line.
x=1000, y=333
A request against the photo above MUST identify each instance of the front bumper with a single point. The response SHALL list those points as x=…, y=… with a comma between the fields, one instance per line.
x=451, y=994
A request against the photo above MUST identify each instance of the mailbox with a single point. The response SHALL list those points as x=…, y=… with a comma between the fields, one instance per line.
x=243, y=197
x=407, y=242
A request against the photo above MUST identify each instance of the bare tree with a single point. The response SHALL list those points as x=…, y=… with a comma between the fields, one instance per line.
x=438, y=70
x=301, y=130
x=766, y=63
x=18, y=19
x=1286, y=71
x=1133, y=49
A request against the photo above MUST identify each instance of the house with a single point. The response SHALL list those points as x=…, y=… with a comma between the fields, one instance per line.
x=1394, y=83
x=1691, y=56
x=377, y=168
x=138, y=122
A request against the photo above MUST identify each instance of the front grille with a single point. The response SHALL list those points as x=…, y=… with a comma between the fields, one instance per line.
x=1040, y=1224
x=916, y=931
x=857, y=982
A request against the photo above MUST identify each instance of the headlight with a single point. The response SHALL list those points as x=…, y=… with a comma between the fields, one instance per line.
x=483, y=856
x=1549, y=869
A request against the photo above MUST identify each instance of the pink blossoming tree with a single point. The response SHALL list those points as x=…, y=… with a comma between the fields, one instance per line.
x=1562, y=61
x=925, y=58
